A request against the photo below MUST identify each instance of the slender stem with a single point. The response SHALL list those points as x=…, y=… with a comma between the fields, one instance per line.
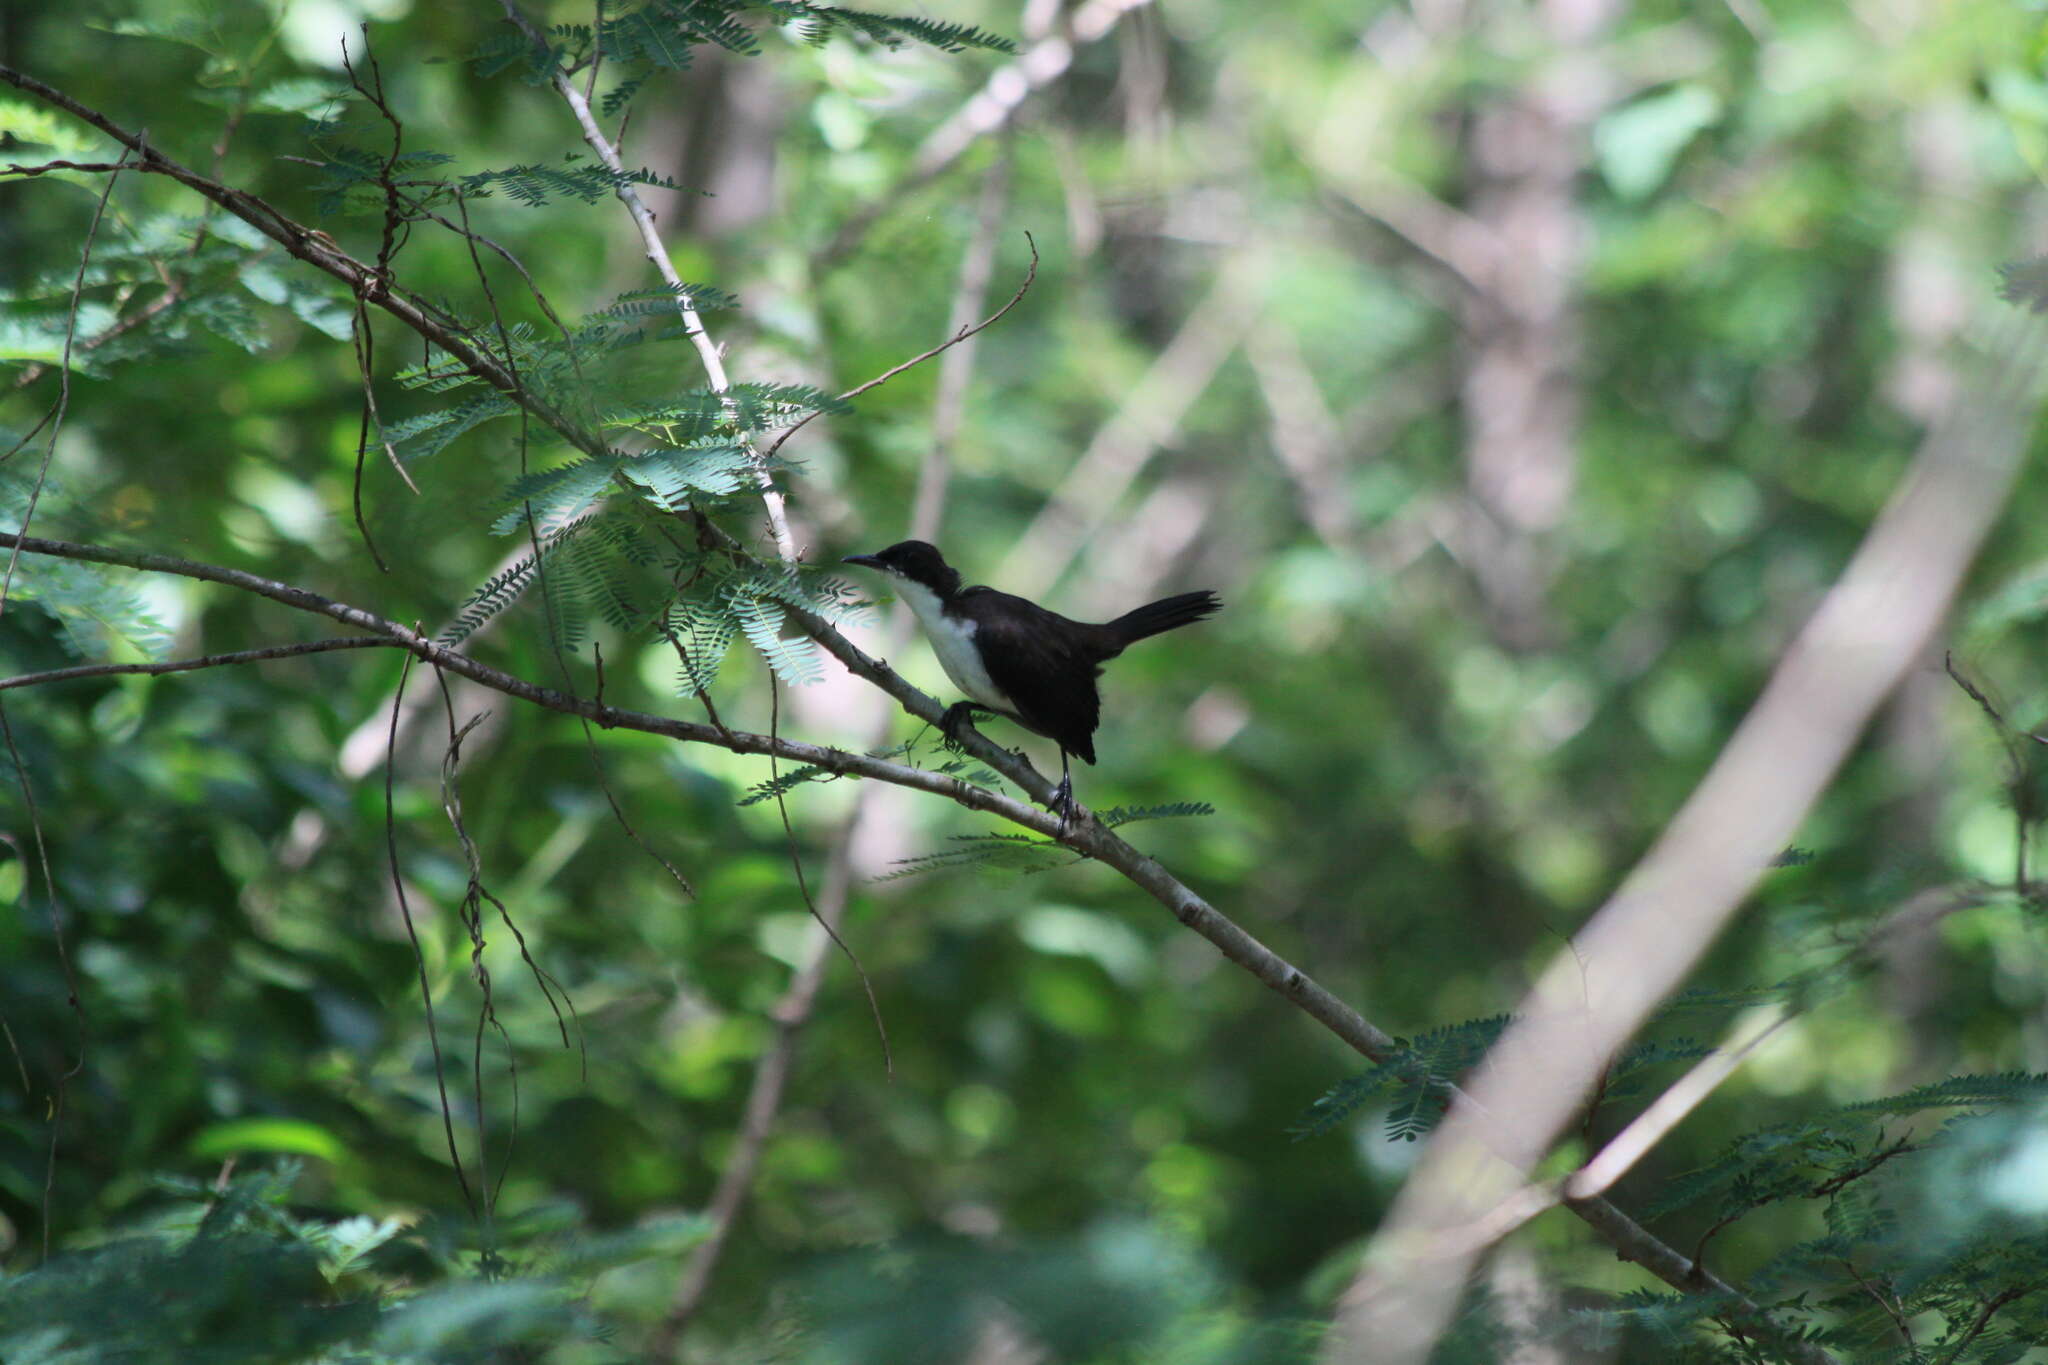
x=241, y=656
x=1669, y=1109
x=657, y=255
x=965, y=331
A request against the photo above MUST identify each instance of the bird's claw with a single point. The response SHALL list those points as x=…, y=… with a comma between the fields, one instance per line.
x=954, y=723
x=1062, y=804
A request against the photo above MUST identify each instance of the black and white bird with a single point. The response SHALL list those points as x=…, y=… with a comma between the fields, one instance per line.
x=1014, y=658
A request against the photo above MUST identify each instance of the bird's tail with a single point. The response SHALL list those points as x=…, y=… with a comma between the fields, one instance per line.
x=1168, y=613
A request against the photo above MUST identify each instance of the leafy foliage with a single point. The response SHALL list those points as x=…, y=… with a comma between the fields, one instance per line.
x=537, y=185
x=817, y=23
x=1630, y=1072
x=1172, y=810
x=97, y=607
x=235, y=1275
x=1814, y=1155
x=640, y=303
x=1004, y=852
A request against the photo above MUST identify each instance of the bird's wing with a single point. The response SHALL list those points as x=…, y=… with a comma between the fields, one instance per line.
x=1045, y=672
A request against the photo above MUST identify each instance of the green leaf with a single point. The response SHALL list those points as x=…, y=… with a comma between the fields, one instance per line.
x=640, y=303
x=702, y=635
x=1177, y=810
x=816, y=23
x=1637, y=145
x=234, y=1137
x=430, y=433
x=795, y=661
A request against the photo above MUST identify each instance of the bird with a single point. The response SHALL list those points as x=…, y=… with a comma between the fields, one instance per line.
x=1014, y=658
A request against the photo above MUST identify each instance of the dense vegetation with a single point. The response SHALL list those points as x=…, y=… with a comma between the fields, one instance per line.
x=1522, y=375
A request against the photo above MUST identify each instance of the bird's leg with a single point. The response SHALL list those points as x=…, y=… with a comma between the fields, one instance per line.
x=1063, y=795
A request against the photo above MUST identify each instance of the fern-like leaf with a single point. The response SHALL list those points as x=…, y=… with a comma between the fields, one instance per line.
x=743, y=407
x=497, y=592
x=1416, y=1077
x=794, y=661
x=1014, y=852
x=784, y=783
x=702, y=636
x=557, y=496
x=429, y=433
x=641, y=303
x=1176, y=810
x=509, y=47
x=816, y=23
x=535, y=185
x=2009, y=1087
x=619, y=96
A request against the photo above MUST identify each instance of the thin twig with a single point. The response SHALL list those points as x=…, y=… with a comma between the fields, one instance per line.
x=803, y=886
x=63, y=403
x=364, y=347
x=1991, y=1306
x=44, y=168
x=1666, y=1112
x=419, y=955
x=72, y=998
x=1891, y=1311
x=2017, y=786
x=240, y=656
x=471, y=914
x=1030, y=276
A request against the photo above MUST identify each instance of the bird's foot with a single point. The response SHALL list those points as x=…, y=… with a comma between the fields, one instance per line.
x=954, y=723
x=1062, y=804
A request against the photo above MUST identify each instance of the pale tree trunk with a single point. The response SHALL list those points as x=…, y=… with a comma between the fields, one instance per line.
x=1933, y=289
x=1520, y=392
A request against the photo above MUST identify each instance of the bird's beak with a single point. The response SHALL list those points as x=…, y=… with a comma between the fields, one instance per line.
x=865, y=561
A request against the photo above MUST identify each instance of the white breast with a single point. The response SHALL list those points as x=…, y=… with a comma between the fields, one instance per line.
x=952, y=640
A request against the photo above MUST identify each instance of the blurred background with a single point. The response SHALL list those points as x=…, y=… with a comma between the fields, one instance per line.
x=1519, y=373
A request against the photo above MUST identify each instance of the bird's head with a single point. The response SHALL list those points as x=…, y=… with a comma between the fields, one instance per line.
x=916, y=561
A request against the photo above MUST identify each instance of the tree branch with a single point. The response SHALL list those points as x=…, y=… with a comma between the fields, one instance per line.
x=320, y=251
x=244, y=656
